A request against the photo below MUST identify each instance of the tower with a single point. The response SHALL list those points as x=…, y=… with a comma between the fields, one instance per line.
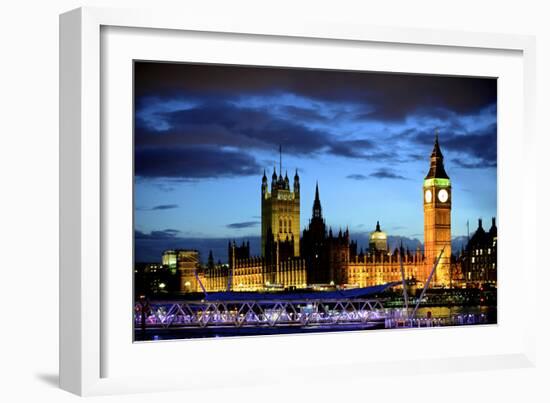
x=378, y=240
x=437, y=219
x=314, y=245
x=281, y=211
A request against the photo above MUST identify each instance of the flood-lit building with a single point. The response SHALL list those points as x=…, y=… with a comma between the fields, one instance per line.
x=319, y=257
x=188, y=263
x=281, y=213
x=170, y=260
x=378, y=240
x=479, y=257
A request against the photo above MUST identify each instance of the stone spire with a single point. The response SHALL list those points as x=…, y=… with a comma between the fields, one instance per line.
x=437, y=170
x=317, y=212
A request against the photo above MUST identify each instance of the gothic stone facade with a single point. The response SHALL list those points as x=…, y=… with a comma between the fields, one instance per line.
x=479, y=258
x=323, y=258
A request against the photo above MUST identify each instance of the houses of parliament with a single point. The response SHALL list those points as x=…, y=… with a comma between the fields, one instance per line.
x=319, y=257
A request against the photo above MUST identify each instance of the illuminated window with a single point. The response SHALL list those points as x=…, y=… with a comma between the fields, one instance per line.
x=489, y=251
x=473, y=259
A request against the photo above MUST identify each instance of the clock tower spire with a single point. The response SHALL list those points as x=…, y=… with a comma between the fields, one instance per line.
x=437, y=218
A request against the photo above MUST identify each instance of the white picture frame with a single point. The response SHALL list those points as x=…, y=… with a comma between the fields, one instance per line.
x=85, y=302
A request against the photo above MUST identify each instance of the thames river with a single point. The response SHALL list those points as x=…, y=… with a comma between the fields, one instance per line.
x=435, y=315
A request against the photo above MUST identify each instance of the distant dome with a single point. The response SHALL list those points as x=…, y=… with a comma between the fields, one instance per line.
x=378, y=236
x=378, y=240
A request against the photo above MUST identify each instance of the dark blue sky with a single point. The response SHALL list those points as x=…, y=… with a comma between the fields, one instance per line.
x=205, y=133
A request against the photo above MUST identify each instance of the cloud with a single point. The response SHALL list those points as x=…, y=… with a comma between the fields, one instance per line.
x=189, y=163
x=149, y=248
x=156, y=235
x=354, y=149
x=473, y=165
x=469, y=149
x=178, y=144
x=159, y=207
x=390, y=97
x=303, y=114
x=383, y=173
x=241, y=225
x=165, y=207
x=357, y=177
x=478, y=148
x=250, y=109
x=458, y=242
x=219, y=123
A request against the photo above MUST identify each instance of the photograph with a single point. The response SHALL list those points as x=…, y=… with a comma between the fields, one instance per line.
x=275, y=200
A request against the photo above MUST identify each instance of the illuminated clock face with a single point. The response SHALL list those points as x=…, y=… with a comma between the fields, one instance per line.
x=443, y=195
x=428, y=196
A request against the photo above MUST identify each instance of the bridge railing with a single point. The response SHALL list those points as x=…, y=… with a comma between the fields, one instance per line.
x=272, y=313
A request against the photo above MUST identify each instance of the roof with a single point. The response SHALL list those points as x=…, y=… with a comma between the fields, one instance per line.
x=437, y=170
x=314, y=295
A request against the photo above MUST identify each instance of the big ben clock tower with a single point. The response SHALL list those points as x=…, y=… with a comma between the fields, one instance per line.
x=437, y=219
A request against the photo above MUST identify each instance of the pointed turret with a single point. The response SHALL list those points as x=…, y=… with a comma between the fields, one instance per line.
x=287, y=181
x=280, y=166
x=437, y=170
x=317, y=191
x=274, y=179
x=296, y=184
x=317, y=211
x=264, y=184
x=280, y=159
x=493, y=229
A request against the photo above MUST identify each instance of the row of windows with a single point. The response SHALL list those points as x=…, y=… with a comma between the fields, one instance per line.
x=480, y=251
x=285, y=226
x=493, y=265
x=379, y=270
x=481, y=259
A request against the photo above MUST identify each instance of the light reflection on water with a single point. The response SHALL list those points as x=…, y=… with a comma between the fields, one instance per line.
x=445, y=311
x=435, y=312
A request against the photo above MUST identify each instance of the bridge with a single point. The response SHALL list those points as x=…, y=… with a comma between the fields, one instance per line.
x=266, y=313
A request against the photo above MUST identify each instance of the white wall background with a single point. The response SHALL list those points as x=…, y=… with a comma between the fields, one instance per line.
x=29, y=197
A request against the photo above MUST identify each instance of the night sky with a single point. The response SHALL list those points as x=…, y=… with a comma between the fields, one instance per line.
x=205, y=133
